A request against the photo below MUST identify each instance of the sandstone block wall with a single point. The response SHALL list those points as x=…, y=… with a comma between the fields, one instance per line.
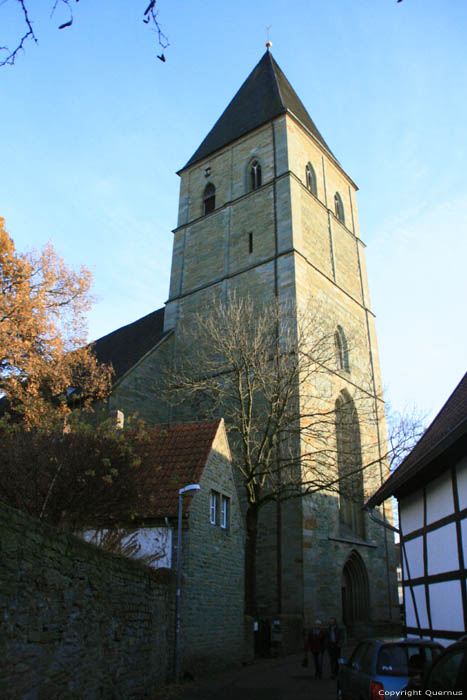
x=78, y=622
x=302, y=252
x=213, y=582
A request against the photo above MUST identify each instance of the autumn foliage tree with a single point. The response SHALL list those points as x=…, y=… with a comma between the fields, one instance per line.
x=46, y=366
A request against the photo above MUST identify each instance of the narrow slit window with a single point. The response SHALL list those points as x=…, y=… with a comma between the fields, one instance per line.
x=209, y=198
x=250, y=242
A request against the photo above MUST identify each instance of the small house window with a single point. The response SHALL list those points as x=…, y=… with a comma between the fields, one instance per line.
x=225, y=511
x=255, y=175
x=214, y=508
x=311, y=179
x=342, y=349
x=209, y=198
x=339, y=207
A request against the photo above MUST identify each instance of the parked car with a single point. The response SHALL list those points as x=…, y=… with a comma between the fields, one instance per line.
x=381, y=665
x=449, y=670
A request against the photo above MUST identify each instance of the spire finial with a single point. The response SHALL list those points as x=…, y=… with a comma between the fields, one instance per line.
x=268, y=42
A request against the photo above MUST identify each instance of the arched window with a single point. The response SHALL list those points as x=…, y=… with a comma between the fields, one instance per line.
x=342, y=349
x=209, y=198
x=311, y=179
x=339, y=207
x=255, y=175
x=349, y=464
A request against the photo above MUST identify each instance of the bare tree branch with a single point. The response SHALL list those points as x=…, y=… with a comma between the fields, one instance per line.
x=150, y=17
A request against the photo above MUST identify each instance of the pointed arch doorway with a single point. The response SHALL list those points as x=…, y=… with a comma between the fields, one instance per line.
x=355, y=591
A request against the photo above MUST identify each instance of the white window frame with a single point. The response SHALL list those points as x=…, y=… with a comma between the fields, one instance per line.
x=225, y=504
x=213, y=507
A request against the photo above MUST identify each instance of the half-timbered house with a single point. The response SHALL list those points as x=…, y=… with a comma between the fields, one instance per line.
x=431, y=488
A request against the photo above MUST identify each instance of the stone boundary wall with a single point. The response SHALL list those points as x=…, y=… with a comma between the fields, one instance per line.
x=77, y=622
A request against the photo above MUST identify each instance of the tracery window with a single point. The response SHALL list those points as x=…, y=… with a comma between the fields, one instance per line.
x=311, y=179
x=209, y=198
x=342, y=349
x=255, y=175
x=349, y=463
x=339, y=207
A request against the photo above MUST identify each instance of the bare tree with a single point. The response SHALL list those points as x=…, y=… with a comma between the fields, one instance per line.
x=272, y=373
x=27, y=33
x=404, y=431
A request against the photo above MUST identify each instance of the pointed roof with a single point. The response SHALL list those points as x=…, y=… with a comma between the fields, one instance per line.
x=264, y=95
x=124, y=347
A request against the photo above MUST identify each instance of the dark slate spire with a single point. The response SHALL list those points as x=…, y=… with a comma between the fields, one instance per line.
x=264, y=95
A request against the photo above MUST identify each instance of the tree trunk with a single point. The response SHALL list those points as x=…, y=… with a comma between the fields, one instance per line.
x=250, y=559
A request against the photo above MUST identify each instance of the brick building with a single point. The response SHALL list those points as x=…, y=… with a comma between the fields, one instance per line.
x=266, y=210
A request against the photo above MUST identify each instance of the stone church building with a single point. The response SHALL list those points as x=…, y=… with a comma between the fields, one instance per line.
x=266, y=210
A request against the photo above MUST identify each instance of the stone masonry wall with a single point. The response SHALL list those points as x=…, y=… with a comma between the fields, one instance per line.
x=78, y=622
x=300, y=251
x=212, y=632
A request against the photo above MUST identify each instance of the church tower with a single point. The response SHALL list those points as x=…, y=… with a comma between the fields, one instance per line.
x=267, y=210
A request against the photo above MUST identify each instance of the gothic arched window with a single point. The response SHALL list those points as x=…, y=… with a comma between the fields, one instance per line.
x=342, y=349
x=339, y=207
x=349, y=464
x=255, y=175
x=209, y=198
x=311, y=179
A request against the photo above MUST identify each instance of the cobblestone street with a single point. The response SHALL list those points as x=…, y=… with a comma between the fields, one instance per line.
x=267, y=679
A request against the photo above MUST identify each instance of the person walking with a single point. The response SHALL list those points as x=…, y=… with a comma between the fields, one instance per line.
x=335, y=639
x=315, y=643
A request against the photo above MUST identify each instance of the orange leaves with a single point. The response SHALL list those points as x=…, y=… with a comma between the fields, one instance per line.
x=43, y=364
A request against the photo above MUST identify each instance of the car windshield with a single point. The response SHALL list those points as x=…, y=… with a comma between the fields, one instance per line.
x=404, y=659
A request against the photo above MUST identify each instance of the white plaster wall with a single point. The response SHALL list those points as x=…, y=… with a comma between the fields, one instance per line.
x=149, y=541
x=439, y=498
x=414, y=551
x=442, y=550
x=462, y=482
x=464, y=538
x=420, y=600
x=411, y=512
x=446, y=606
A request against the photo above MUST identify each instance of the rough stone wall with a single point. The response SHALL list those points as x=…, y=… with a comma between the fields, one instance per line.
x=212, y=607
x=215, y=249
x=78, y=622
x=138, y=393
x=331, y=275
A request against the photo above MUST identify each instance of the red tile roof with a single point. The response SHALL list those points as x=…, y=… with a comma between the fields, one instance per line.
x=451, y=419
x=172, y=457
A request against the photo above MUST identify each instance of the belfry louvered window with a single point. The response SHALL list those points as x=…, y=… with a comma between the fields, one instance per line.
x=255, y=175
x=209, y=198
x=311, y=179
x=339, y=207
x=342, y=349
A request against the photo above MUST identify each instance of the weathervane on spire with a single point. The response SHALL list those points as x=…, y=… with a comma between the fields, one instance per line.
x=268, y=42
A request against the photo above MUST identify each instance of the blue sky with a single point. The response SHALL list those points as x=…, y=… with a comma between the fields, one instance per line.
x=94, y=128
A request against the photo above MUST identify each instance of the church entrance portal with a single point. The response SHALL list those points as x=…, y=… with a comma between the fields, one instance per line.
x=355, y=591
